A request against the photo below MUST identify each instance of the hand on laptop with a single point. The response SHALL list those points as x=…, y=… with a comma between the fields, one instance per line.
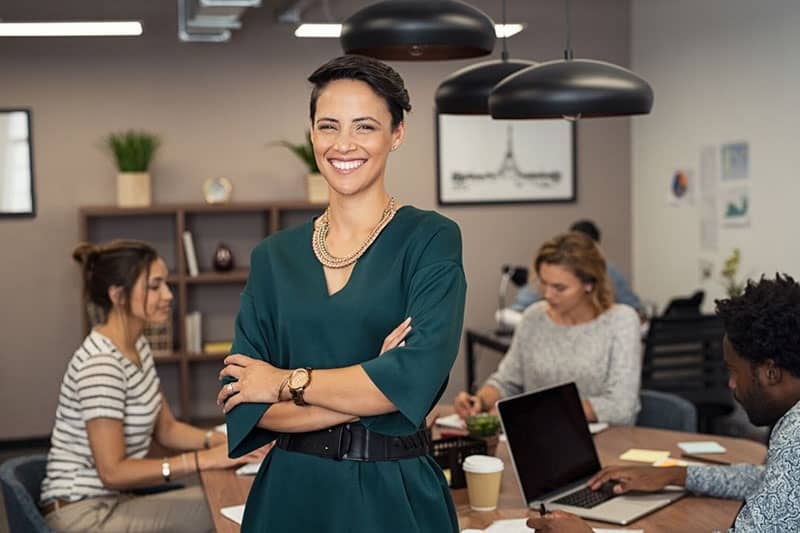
x=643, y=478
x=558, y=522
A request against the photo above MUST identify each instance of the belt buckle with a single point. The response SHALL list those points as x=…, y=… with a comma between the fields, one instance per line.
x=345, y=440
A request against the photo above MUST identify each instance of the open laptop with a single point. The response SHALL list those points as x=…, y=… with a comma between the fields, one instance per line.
x=554, y=456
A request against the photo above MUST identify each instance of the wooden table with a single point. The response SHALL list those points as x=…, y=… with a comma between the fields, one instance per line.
x=688, y=515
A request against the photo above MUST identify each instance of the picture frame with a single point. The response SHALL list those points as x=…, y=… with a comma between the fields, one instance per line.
x=17, y=193
x=480, y=161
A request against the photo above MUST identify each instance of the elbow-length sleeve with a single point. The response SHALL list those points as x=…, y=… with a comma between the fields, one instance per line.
x=250, y=339
x=619, y=401
x=414, y=376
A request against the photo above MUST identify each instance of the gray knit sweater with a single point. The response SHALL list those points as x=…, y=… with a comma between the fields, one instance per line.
x=603, y=357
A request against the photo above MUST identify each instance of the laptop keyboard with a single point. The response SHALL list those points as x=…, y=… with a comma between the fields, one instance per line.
x=586, y=498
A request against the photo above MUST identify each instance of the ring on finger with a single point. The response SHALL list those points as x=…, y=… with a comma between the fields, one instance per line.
x=230, y=388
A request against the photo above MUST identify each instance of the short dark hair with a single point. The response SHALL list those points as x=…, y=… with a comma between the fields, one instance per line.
x=382, y=78
x=117, y=263
x=587, y=227
x=764, y=322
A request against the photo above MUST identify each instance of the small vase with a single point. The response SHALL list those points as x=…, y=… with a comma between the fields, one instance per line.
x=223, y=258
x=316, y=189
x=491, y=444
x=133, y=189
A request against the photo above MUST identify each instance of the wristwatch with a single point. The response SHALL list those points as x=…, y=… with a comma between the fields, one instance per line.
x=165, y=471
x=299, y=380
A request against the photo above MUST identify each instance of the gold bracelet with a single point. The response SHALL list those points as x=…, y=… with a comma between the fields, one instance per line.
x=283, y=386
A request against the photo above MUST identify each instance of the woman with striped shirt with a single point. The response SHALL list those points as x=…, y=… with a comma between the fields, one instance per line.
x=110, y=410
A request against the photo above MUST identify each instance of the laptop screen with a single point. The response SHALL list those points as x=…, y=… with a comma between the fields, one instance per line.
x=549, y=439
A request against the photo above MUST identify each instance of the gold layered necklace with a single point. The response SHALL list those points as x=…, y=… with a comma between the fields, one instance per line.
x=321, y=233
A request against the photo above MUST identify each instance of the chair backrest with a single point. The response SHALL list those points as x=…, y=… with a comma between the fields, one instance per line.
x=21, y=478
x=684, y=354
x=663, y=410
x=685, y=306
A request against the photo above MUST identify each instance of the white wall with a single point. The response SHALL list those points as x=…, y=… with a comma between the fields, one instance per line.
x=722, y=71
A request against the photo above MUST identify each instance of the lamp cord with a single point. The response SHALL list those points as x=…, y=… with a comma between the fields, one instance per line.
x=504, y=54
x=568, y=49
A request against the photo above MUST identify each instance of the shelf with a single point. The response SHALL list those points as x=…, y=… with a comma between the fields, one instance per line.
x=207, y=278
x=163, y=225
x=218, y=356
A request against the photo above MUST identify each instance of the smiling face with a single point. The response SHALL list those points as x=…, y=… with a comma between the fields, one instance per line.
x=352, y=136
x=561, y=288
x=151, y=297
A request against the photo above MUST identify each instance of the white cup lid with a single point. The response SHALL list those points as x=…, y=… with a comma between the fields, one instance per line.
x=482, y=464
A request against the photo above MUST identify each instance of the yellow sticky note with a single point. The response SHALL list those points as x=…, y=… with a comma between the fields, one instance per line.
x=643, y=456
x=670, y=461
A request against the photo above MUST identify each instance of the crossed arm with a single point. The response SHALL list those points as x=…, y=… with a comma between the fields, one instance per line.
x=335, y=396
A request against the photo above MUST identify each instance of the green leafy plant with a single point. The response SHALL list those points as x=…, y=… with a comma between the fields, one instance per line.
x=305, y=152
x=133, y=150
x=733, y=287
x=483, y=425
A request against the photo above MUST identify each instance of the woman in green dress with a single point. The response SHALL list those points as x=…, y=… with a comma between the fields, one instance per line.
x=313, y=367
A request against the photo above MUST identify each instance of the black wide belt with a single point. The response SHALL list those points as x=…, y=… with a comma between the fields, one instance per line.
x=354, y=442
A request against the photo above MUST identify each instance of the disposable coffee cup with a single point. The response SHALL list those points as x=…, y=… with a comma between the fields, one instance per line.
x=483, y=474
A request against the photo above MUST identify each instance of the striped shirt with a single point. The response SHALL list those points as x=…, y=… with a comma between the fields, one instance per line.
x=100, y=382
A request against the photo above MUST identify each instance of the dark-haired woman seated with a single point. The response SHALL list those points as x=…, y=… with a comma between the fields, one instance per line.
x=110, y=410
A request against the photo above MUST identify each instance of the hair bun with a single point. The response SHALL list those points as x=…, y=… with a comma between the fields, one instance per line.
x=86, y=254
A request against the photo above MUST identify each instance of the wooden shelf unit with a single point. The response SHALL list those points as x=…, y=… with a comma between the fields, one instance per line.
x=178, y=218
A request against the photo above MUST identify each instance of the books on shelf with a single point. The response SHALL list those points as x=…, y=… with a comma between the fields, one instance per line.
x=194, y=332
x=219, y=347
x=189, y=252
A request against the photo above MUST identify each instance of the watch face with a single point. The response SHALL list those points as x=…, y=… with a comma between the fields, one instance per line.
x=298, y=379
x=217, y=190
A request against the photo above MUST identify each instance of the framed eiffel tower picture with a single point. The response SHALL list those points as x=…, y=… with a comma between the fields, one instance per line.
x=485, y=161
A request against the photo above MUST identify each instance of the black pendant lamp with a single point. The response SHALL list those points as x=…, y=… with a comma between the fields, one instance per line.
x=419, y=30
x=572, y=89
x=466, y=91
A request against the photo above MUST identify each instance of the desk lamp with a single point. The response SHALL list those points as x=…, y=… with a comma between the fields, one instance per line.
x=518, y=276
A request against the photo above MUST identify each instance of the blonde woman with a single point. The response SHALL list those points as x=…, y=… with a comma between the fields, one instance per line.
x=577, y=333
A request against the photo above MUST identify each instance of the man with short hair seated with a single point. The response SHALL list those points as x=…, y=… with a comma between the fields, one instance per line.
x=762, y=352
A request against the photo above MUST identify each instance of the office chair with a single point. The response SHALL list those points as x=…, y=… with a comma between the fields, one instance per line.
x=685, y=306
x=21, y=478
x=683, y=356
x=663, y=410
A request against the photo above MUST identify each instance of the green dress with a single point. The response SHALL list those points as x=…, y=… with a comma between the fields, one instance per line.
x=287, y=318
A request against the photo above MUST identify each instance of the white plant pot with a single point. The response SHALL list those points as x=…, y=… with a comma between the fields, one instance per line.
x=316, y=189
x=133, y=189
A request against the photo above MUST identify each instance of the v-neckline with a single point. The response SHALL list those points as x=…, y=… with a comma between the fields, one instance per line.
x=321, y=269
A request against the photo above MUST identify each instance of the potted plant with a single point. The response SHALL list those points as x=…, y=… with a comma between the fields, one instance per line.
x=316, y=186
x=733, y=287
x=133, y=152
